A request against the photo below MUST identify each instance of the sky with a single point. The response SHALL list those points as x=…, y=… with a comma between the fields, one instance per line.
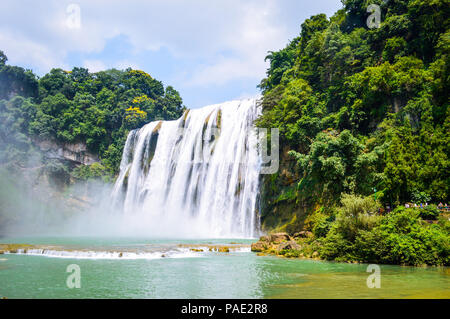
x=211, y=51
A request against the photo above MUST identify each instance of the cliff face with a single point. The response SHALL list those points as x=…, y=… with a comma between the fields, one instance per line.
x=280, y=208
x=76, y=152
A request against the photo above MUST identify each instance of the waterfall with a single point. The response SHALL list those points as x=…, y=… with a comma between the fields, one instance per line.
x=198, y=174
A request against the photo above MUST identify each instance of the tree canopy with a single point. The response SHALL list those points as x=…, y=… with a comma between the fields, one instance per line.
x=98, y=109
x=362, y=108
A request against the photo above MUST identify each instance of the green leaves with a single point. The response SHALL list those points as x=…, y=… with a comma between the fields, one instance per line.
x=3, y=58
x=333, y=164
x=362, y=108
x=417, y=161
x=400, y=237
x=15, y=80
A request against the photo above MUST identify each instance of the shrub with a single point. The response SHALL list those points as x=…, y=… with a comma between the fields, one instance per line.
x=90, y=172
x=402, y=238
x=319, y=224
x=335, y=247
x=357, y=213
x=430, y=212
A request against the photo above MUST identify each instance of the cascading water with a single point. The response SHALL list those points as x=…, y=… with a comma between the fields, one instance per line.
x=197, y=175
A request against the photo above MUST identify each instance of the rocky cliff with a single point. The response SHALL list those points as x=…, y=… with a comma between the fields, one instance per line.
x=76, y=152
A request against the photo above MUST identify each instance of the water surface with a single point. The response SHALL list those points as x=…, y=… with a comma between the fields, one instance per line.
x=238, y=274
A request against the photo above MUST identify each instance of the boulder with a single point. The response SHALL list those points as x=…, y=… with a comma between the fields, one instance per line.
x=224, y=250
x=258, y=246
x=279, y=238
x=303, y=234
x=291, y=245
x=74, y=152
x=264, y=238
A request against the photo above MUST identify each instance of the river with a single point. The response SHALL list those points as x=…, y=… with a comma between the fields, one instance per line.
x=168, y=268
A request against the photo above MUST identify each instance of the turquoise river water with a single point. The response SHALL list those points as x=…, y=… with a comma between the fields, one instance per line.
x=149, y=268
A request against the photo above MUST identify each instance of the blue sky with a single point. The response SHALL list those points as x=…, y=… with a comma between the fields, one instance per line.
x=210, y=50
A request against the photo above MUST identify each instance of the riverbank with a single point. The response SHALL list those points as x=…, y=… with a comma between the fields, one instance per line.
x=305, y=245
x=355, y=231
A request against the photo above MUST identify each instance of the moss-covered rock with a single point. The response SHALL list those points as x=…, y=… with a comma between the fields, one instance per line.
x=279, y=238
x=290, y=245
x=303, y=234
x=258, y=246
x=13, y=248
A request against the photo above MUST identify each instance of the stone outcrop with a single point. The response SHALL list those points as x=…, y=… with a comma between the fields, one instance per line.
x=279, y=238
x=303, y=234
x=291, y=245
x=281, y=244
x=259, y=246
x=76, y=152
x=275, y=242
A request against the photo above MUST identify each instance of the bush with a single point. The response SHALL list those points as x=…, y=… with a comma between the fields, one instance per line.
x=430, y=212
x=91, y=172
x=402, y=238
x=319, y=224
x=356, y=213
x=335, y=247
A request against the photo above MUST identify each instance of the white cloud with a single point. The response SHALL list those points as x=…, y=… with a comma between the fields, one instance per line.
x=20, y=49
x=123, y=64
x=226, y=39
x=221, y=72
x=256, y=31
x=94, y=65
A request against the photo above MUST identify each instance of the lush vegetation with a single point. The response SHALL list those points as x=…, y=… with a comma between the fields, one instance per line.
x=96, y=109
x=361, y=109
x=354, y=231
x=363, y=112
x=358, y=233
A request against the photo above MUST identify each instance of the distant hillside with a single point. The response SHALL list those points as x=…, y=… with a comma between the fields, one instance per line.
x=76, y=117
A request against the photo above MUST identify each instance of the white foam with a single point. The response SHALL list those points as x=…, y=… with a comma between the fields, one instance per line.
x=90, y=254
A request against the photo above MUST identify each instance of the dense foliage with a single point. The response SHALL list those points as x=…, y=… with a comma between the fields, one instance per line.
x=97, y=109
x=400, y=237
x=364, y=125
x=364, y=110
